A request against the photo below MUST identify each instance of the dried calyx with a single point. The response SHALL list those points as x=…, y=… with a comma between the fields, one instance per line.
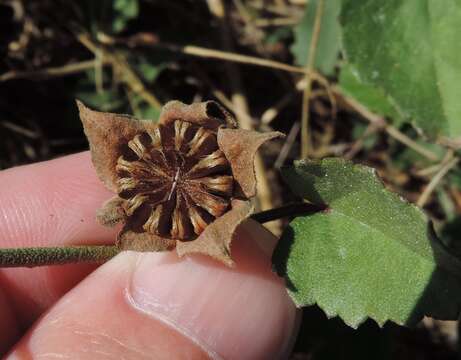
x=183, y=182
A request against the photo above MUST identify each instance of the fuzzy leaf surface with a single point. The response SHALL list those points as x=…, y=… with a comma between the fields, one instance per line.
x=374, y=98
x=371, y=254
x=409, y=49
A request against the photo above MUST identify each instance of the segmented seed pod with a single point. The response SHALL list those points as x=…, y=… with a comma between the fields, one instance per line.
x=175, y=180
x=183, y=182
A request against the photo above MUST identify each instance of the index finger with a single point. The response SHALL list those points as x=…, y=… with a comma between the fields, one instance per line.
x=49, y=204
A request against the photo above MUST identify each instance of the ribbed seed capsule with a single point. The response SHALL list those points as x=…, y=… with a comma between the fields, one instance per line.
x=180, y=175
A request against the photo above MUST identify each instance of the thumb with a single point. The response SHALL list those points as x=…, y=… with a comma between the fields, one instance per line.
x=158, y=306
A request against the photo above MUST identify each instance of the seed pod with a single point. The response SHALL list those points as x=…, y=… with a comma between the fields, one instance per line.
x=184, y=182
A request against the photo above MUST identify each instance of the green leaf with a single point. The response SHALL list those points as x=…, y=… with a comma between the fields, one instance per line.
x=105, y=101
x=278, y=35
x=128, y=8
x=150, y=71
x=149, y=67
x=124, y=11
x=329, y=37
x=455, y=178
x=374, y=98
x=108, y=100
x=371, y=254
x=148, y=112
x=409, y=49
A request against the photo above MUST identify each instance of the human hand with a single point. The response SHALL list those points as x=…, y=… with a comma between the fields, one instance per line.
x=137, y=305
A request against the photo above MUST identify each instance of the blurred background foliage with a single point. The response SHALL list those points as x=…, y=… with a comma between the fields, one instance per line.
x=131, y=56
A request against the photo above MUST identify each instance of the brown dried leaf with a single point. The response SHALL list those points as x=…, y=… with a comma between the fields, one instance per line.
x=215, y=240
x=107, y=133
x=208, y=114
x=111, y=212
x=240, y=148
x=143, y=242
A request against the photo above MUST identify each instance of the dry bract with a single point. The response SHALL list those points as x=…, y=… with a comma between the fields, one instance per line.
x=184, y=182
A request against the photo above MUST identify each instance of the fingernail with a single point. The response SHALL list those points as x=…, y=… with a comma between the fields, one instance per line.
x=239, y=313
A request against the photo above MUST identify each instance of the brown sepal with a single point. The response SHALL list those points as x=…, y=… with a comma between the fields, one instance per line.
x=208, y=114
x=107, y=133
x=111, y=212
x=143, y=242
x=216, y=239
x=112, y=135
x=239, y=147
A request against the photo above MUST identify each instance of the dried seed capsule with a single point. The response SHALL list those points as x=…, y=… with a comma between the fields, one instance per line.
x=175, y=180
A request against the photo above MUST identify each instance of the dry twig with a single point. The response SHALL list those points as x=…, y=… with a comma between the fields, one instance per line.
x=240, y=104
x=121, y=66
x=305, y=141
x=436, y=180
x=68, y=69
x=381, y=123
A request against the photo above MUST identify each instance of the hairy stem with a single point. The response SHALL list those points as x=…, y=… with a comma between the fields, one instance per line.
x=41, y=256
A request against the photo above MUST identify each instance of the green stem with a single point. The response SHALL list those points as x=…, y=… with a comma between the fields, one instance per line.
x=289, y=210
x=41, y=256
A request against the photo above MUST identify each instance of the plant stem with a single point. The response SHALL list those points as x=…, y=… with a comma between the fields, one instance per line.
x=294, y=209
x=310, y=64
x=436, y=180
x=40, y=256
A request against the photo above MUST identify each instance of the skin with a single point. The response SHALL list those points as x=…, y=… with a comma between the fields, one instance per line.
x=137, y=305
